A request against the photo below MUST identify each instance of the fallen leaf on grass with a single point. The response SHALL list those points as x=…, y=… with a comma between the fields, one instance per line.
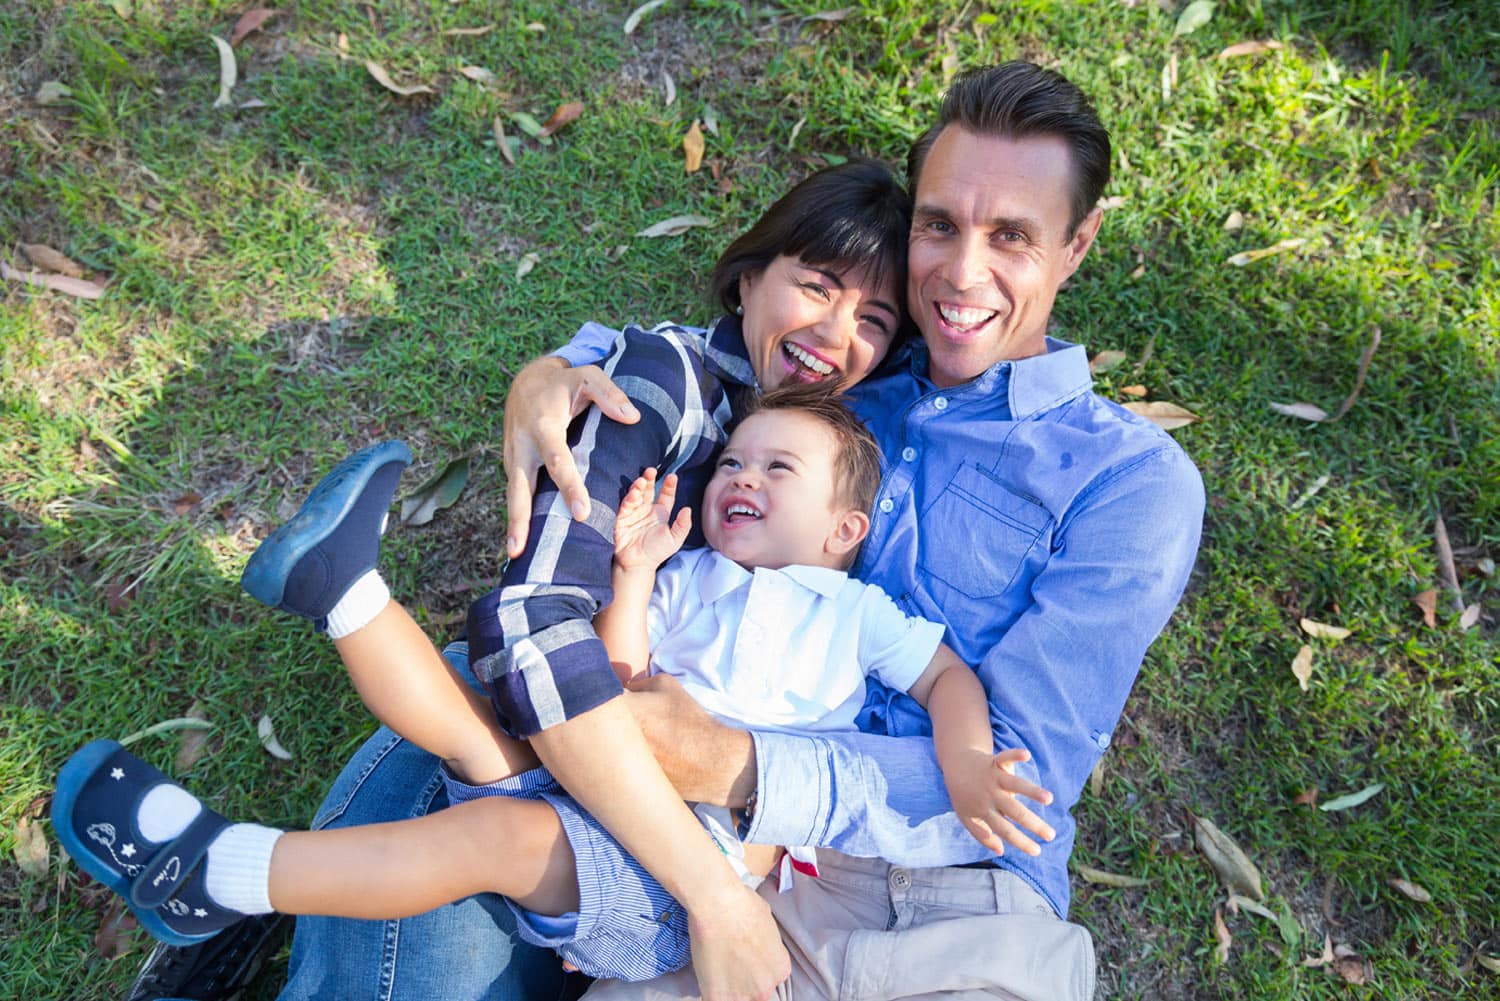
x=251, y=20
x=1135, y=390
x=182, y=505
x=384, y=79
x=1427, y=602
x=1350, y=965
x=193, y=743
x=1470, y=617
x=1245, y=257
x=676, y=226
x=1353, y=799
x=1306, y=411
x=1106, y=361
x=1307, y=797
x=439, y=492
x=1238, y=903
x=692, y=148
x=76, y=287
x=634, y=20
x=52, y=92
x=1491, y=963
x=1221, y=933
x=1309, y=412
x=266, y=730
x=1232, y=865
x=167, y=726
x=477, y=73
x=502, y=141
x=831, y=16
x=530, y=126
x=1235, y=220
x=47, y=259
x=1415, y=891
x=228, y=71
x=1311, y=492
x=1111, y=203
x=1102, y=878
x=31, y=850
x=254, y=102
x=710, y=120
x=113, y=939
x=670, y=87
x=525, y=264
x=1249, y=49
x=1325, y=958
x=484, y=30
x=1302, y=666
x=1323, y=631
x=1167, y=416
x=566, y=114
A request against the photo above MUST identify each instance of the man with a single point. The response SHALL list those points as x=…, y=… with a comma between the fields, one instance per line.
x=1051, y=531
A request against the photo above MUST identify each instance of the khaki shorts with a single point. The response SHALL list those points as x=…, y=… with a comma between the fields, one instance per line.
x=867, y=931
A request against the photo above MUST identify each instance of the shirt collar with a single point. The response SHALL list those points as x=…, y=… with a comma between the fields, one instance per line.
x=723, y=576
x=724, y=353
x=1031, y=385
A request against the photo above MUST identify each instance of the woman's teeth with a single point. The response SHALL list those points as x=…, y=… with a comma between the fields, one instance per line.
x=807, y=360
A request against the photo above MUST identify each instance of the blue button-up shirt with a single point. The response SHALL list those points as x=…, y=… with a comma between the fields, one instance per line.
x=1052, y=532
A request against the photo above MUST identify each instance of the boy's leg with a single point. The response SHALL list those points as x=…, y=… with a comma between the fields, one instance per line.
x=321, y=565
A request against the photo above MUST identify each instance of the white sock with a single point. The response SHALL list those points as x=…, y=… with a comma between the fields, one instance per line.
x=238, y=867
x=364, y=600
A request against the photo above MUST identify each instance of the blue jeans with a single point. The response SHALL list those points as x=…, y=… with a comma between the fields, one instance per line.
x=467, y=950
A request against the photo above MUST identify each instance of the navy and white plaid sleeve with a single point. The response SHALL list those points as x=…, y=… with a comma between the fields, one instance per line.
x=532, y=638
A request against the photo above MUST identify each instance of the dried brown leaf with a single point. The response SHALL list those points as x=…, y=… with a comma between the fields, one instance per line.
x=1233, y=866
x=1323, y=631
x=692, y=147
x=1307, y=797
x=1352, y=968
x=477, y=73
x=47, y=259
x=182, y=505
x=1325, y=958
x=228, y=71
x=1415, y=891
x=1134, y=390
x=1221, y=934
x=1491, y=963
x=831, y=16
x=52, y=92
x=1470, y=617
x=1106, y=361
x=266, y=730
x=119, y=593
x=1306, y=411
x=1235, y=220
x=112, y=940
x=1359, y=376
x=1167, y=416
x=525, y=264
x=676, y=226
x=669, y=86
x=634, y=20
x=251, y=20
x=483, y=30
x=1447, y=569
x=384, y=79
x=31, y=851
x=1245, y=257
x=565, y=115
x=1302, y=666
x=1250, y=49
x=1101, y=878
x=502, y=142
x=1427, y=602
x=76, y=287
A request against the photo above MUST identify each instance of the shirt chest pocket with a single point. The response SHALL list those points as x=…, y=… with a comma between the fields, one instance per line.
x=976, y=536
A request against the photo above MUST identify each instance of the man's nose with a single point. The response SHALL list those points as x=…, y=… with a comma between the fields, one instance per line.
x=967, y=265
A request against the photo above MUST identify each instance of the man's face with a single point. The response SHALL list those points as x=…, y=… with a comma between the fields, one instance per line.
x=989, y=248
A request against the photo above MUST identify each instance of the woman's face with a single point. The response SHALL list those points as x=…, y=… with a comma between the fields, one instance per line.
x=806, y=322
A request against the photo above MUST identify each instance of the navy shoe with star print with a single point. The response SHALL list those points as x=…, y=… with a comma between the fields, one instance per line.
x=99, y=793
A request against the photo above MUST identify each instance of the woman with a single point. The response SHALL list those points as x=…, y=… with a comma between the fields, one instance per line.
x=813, y=291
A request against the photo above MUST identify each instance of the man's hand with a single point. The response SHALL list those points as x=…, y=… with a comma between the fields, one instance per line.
x=737, y=950
x=544, y=398
x=645, y=534
x=706, y=761
x=985, y=797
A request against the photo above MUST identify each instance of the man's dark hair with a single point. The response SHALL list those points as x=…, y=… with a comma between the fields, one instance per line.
x=1019, y=100
x=851, y=215
x=856, y=462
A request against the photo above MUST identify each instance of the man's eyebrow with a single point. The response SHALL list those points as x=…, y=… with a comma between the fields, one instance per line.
x=837, y=281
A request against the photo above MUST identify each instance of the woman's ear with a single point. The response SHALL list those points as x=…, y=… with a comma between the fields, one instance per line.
x=848, y=532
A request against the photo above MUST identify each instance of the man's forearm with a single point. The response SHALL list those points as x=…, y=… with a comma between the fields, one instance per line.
x=706, y=761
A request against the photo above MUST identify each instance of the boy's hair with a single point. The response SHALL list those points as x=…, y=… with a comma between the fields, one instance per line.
x=854, y=214
x=856, y=456
x=1019, y=100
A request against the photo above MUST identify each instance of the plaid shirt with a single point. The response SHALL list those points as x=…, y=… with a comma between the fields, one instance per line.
x=532, y=638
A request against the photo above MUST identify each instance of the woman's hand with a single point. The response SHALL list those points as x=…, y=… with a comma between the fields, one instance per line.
x=544, y=398
x=646, y=536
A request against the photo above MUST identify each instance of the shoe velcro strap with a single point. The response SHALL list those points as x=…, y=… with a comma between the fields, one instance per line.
x=174, y=861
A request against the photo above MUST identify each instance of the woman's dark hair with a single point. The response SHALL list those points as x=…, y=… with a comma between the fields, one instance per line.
x=1018, y=100
x=850, y=215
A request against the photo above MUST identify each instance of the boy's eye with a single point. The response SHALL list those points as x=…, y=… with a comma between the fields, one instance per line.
x=778, y=464
x=728, y=462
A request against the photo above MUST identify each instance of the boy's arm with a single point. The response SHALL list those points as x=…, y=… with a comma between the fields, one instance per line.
x=954, y=698
x=645, y=537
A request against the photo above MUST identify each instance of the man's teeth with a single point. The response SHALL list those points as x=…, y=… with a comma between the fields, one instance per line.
x=808, y=361
x=961, y=316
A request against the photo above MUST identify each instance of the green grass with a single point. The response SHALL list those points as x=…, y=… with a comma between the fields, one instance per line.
x=288, y=282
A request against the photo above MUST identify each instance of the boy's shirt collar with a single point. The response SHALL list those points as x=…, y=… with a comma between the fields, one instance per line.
x=722, y=576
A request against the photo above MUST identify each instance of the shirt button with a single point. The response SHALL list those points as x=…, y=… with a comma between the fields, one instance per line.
x=941, y=403
x=899, y=879
x=887, y=506
x=908, y=454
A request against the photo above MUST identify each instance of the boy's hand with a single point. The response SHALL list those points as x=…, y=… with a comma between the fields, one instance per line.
x=985, y=796
x=645, y=534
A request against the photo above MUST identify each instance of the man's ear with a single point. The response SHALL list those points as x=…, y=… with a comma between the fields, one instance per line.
x=850, y=531
x=1083, y=239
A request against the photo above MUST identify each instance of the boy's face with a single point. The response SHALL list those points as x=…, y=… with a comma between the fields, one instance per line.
x=772, y=500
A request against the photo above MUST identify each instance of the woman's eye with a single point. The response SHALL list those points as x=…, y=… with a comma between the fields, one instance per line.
x=815, y=289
